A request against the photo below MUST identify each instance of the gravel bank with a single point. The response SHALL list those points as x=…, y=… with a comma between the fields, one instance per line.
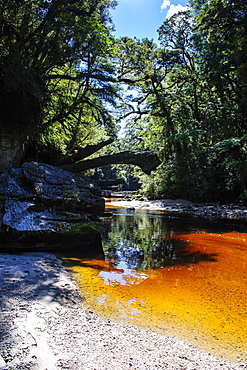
x=44, y=326
x=209, y=210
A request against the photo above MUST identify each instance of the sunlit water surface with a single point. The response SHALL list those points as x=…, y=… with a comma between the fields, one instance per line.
x=182, y=276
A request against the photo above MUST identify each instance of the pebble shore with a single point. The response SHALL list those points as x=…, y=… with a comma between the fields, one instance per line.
x=208, y=210
x=45, y=325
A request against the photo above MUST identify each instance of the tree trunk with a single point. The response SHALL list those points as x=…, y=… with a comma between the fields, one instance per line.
x=84, y=152
x=11, y=151
x=21, y=109
x=145, y=160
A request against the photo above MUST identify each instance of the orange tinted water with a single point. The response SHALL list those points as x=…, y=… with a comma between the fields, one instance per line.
x=203, y=302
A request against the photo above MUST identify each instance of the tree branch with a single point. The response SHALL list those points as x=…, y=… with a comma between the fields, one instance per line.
x=84, y=152
x=145, y=160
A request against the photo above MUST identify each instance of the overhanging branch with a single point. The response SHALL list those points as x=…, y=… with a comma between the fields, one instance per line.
x=84, y=153
x=145, y=160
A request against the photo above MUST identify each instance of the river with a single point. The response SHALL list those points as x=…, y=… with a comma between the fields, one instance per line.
x=179, y=275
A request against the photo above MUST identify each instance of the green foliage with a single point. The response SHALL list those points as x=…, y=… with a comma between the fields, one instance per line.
x=190, y=103
x=55, y=69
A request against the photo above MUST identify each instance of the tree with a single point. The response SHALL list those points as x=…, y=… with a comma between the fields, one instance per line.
x=49, y=48
x=190, y=96
x=221, y=28
x=167, y=86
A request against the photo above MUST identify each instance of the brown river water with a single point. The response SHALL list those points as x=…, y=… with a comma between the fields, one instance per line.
x=180, y=275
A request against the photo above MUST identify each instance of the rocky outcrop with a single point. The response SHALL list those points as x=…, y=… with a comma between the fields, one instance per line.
x=44, y=207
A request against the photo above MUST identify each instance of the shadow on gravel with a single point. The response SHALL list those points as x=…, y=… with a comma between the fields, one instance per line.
x=32, y=277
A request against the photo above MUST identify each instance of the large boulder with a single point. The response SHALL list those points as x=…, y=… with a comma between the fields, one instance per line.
x=44, y=207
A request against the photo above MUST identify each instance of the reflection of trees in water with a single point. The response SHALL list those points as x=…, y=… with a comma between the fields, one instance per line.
x=132, y=256
x=147, y=241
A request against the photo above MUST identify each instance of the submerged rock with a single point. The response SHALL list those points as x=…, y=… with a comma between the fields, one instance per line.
x=46, y=207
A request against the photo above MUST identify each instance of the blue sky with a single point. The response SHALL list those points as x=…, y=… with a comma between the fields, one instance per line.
x=141, y=18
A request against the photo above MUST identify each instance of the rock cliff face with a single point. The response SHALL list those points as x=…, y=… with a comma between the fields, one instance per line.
x=11, y=150
x=44, y=207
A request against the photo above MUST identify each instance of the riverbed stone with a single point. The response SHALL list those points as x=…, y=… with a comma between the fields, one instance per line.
x=46, y=207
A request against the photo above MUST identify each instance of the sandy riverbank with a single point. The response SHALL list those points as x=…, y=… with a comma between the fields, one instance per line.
x=45, y=325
